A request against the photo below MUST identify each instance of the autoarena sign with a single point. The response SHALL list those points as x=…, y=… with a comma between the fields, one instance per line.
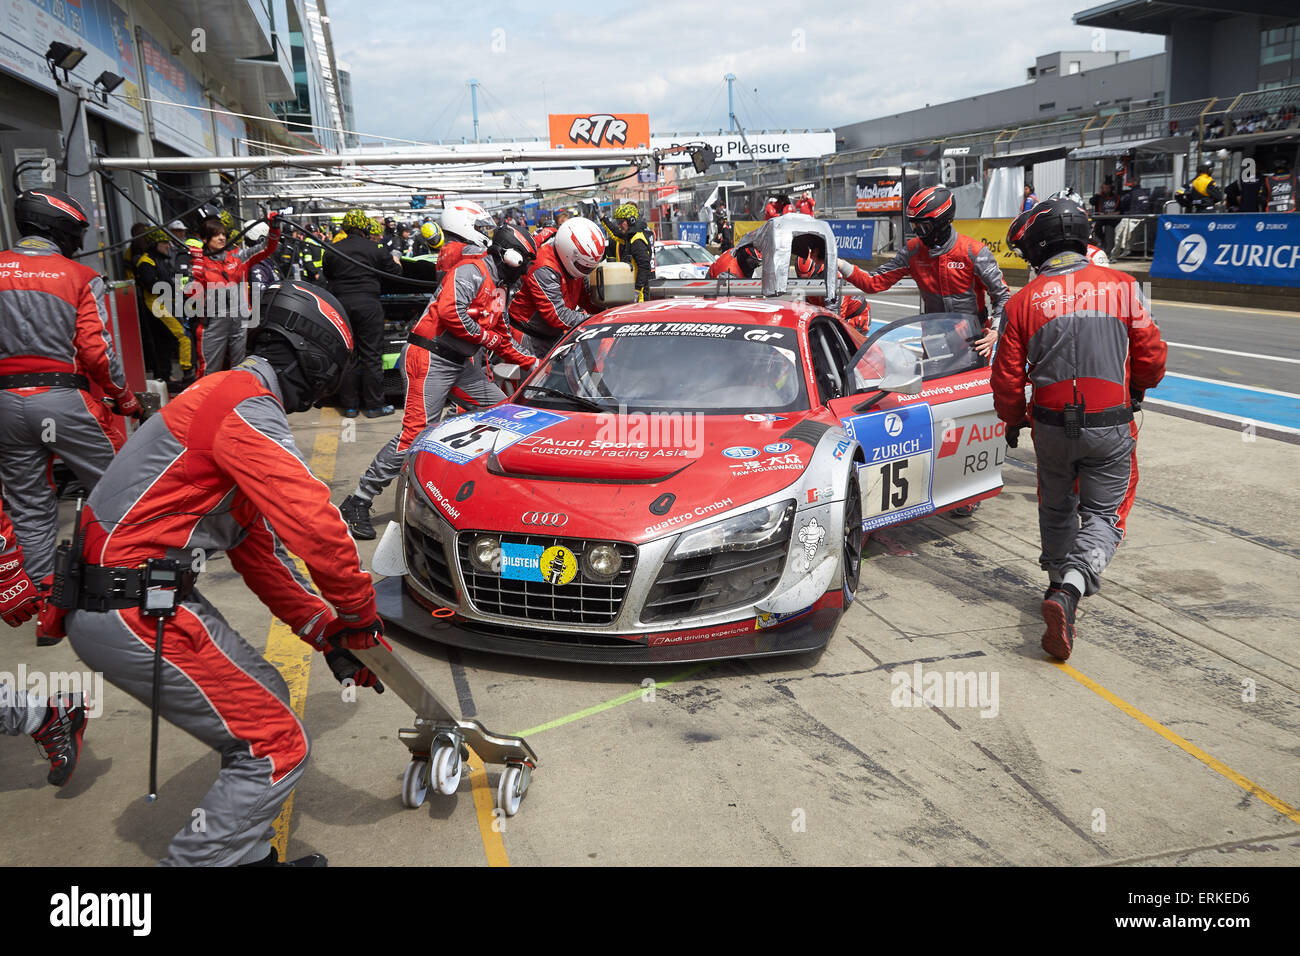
x=599, y=130
x=763, y=147
x=1239, y=248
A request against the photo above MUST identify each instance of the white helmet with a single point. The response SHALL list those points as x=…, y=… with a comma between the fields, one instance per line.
x=467, y=221
x=580, y=244
x=255, y=230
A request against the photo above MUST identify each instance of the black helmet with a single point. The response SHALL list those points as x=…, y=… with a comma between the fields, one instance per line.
x=1205, y=166
x=931, y=211
x=749, y=257
x=1057, y=225
x=514, y=249
x=54, y=215
x=316, y=328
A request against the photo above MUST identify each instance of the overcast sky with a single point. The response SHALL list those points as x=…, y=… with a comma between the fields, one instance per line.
x=799, y=63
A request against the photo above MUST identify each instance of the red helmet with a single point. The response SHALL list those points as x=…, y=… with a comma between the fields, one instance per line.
x=749, y=257
x=54, y=215
x=514, y=249
x=931, y=211
x=809, y=267
x=1058, y=225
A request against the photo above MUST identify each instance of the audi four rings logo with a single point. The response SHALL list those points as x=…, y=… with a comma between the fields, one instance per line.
x=551, y=519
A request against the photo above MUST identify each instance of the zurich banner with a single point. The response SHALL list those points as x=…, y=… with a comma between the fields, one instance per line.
x=697, y=232
x=853, y=237
x=1241, y=247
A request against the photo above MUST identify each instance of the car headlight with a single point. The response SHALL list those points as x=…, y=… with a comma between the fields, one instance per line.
x=417, y=508
x=754, y=529
x=602, y=562
x=485, y=553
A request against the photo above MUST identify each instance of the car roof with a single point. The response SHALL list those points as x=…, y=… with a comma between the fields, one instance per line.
x=723, y=311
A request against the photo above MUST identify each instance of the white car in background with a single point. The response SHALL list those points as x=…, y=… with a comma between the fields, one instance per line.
x=678, y=259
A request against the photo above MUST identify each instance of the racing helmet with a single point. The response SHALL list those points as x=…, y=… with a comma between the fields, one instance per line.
x=627, y=210
x=1205, y=166
x=931, y=211
x=580, y=244
x=432, y=233
x=467, y=222
x=356, y=219
x=255, y=230
x=515, y=250
x=1057, y=225
x=749, y=257
x=809, y=253
x=376, y=229
x=54, y=215
x=316, y=329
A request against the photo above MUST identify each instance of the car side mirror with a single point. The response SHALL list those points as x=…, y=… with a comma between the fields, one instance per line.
x=903, y=384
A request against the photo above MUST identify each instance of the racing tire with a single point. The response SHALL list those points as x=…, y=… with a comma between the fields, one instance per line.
x=853, y=537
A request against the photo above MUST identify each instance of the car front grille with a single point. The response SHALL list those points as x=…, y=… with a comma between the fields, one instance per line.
x=427, y=561
x=709, y=583
x=581, y=601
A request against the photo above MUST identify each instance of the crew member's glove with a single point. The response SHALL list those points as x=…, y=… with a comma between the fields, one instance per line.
x=504, y=347
x=125, y=403
x=345, y=666
x=340, y=634
x=1013, y=434
x=49, y=621
x=845, y=268
x=19, y=599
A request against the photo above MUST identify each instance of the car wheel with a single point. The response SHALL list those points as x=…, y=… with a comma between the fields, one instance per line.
x=851, y=556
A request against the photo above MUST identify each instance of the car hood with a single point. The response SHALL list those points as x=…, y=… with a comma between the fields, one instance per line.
x=629, y=478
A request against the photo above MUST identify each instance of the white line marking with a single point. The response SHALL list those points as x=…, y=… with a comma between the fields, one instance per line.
x=1254, y=355
x=1248, y=388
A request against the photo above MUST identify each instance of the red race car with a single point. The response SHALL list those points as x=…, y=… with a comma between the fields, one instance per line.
x=687, y=479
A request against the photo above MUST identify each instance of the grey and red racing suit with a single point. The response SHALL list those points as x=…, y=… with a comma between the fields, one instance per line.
x=1082, y=335
x=217, y=470
x=546, y=305
x=954, y=276
x=56, y=363
x=466, y=315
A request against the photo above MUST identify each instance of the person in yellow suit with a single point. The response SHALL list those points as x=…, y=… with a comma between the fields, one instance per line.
x=155, y=278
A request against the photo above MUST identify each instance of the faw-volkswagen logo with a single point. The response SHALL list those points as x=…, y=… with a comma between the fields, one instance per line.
x=549, y=519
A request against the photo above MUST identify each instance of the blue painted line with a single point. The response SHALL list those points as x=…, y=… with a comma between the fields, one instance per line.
x=1260, y=407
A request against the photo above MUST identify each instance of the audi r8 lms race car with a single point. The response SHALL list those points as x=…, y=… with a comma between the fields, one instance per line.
x=678, y=259
x=687, y=479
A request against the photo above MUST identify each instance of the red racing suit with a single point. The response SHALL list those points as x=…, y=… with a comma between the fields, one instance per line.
x=219, y=332
x=726, y=264
x=547, y=303
x=952, y=277
x=1080, y=334
x=53, y=329
x=217, y=470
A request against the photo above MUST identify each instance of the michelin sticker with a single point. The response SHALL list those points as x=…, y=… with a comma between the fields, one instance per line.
x=896, y=479
x=466, y=437
x=810, y=537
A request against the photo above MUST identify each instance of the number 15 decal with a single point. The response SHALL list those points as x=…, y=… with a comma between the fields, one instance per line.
x=894, y=491
x=891, y=474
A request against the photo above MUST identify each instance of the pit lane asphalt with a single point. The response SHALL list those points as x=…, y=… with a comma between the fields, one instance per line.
x=1169, y=738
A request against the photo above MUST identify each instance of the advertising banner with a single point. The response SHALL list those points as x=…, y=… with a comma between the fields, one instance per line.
x=764, y=147
x=100, y=27
x=743, y=227
x=697, y=232
x=599, y=130
x=1237, y=247
x=853, y=237
x=879, y=194
x=993, y=233
x=231, y=132
x=186, y=130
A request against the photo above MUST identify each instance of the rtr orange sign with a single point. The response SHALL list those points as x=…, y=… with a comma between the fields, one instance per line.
x=599, y=130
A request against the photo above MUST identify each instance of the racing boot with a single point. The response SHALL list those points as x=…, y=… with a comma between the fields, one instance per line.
x=60, y=736
x=380, y=412
x=965, y=511
x=1058, y=609
x=356, y=512
x=273, y=859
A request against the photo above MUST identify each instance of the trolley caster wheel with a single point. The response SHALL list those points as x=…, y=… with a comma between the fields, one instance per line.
x=510, y=791
x=447, y=768
x=415, y=784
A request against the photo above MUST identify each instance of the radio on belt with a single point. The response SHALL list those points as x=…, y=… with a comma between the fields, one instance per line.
x=160, y=587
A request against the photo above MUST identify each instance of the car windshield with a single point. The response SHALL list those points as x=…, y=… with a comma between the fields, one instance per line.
x=930, y=346
x=674, y=366
x=681, y=255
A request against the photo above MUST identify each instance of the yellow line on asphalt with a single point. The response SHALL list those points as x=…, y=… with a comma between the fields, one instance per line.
x=1218, y=766
x=292, y=656
x=613, y=702
x=484, y=808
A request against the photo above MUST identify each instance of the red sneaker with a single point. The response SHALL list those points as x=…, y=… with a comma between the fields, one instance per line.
x=1058, y=614
x=60, y=736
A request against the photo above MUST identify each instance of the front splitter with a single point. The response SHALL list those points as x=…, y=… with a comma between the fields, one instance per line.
x=809, y=632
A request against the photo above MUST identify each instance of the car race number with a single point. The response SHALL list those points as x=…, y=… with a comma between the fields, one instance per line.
x=467, y=437
x=896, y=479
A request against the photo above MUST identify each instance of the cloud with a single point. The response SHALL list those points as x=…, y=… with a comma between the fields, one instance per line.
x=812, y=64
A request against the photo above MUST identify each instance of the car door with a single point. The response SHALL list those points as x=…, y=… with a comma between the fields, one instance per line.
x=929, y=451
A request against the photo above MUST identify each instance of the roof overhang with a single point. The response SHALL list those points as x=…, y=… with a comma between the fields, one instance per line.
x=1159, y=16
